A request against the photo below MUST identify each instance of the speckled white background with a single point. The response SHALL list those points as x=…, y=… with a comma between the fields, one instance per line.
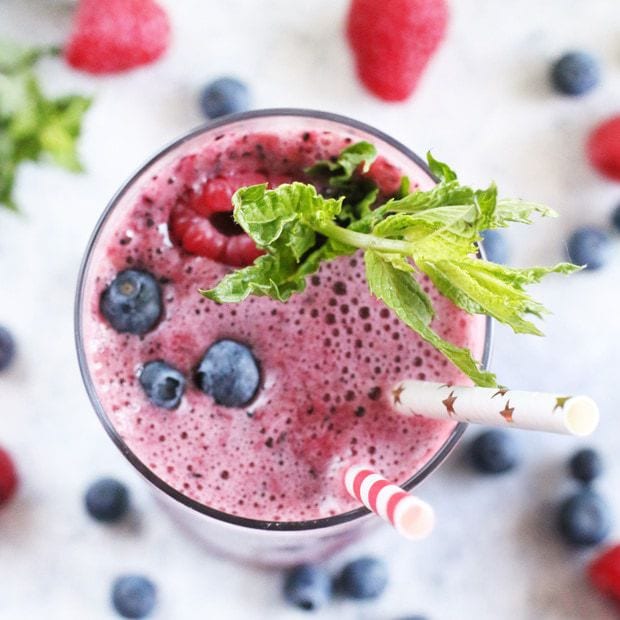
x=485, y=107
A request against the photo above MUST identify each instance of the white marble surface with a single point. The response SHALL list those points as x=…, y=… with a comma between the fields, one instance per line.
x=485, y=107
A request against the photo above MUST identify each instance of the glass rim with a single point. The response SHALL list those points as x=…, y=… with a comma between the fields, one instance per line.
x=136, y=462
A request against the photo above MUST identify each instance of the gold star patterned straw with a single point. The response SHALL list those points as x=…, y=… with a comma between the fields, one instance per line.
x=554, y=413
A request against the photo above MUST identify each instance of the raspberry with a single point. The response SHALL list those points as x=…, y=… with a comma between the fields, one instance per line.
x=117, y=35
x=202, y=224
x=604, y=148
x=604, y=572
x=393, y=41
x=385, y=175
x=8, y=477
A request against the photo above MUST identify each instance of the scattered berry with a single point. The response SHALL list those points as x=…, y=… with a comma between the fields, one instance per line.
x=494, y=452
x=117, y=35
x=134, y=596
x=615, y=218
x=8, y=477
x=495, y=246
x=163, y=384
x=224, y=96
x=107, y=500
x=203, y=224
x=132, y=302
x=589, y=246
x=393, y=41
x=586, y=465
x=604, y=148
x=584, y=519
x=363, y=579
x=307, y=587
x=411, y=618
x=604, y=572
x=7, y=348
x=229, y=373
x=575, y=73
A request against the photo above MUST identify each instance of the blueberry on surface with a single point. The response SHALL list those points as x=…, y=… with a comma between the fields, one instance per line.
x=229, y=373
x=363, y=579
x=494, y=452
x=132, y=302
x=575, y=73
x=223, y=96
x=586, y=465
x=107, y=500
x=7, y=348
x=589, y=246
x=584, y=519
x=615, y=218
x=495, y=246
x=307, y=587
x=163, y=384
x=134, y=596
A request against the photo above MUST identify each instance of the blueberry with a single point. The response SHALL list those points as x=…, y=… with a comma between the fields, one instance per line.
x=494, y=452
x=615, y=218
x=363, y=579
x=495, y=246
x=7, y=348
x=589, y=246
x=584, y=519
x=223, y=96
x=107, y=500
x=134, y=596
x=163, y=384
x=575, y=73
x=307, y=587
x=229, y=373
x=132, y=302
x=586, y=465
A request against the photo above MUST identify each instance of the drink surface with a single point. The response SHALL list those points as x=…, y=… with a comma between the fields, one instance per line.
x=329, y=357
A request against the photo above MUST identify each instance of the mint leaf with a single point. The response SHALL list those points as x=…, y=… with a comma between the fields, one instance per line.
x=402, y=293
x=284, y=221
x=33, y=127
x=341, y=170
x=442, y=171
x=435, y=232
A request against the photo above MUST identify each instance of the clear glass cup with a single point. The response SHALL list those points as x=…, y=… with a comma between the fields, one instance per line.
x=251, y=540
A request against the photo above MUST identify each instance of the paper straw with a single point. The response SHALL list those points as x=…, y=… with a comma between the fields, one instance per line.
x=554, y=413
x=412, y=517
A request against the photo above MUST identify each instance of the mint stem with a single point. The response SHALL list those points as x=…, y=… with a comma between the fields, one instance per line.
x=365, y=241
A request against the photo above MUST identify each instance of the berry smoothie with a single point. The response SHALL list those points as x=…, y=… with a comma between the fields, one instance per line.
x=315, y=374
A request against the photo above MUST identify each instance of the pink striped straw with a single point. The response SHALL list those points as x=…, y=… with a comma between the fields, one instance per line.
x=412, y=517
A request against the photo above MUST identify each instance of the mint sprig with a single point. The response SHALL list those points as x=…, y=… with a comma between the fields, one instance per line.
x=33, y=127
x=435, y=232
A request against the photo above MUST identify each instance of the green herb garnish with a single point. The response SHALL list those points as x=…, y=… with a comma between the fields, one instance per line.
x=434, y=232
x=33, y=127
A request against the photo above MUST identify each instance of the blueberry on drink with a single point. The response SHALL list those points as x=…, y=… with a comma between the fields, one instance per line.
x=229, y=373
x=132, y=302
x=307, y=587
x=364, y=579
x=163, y=384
